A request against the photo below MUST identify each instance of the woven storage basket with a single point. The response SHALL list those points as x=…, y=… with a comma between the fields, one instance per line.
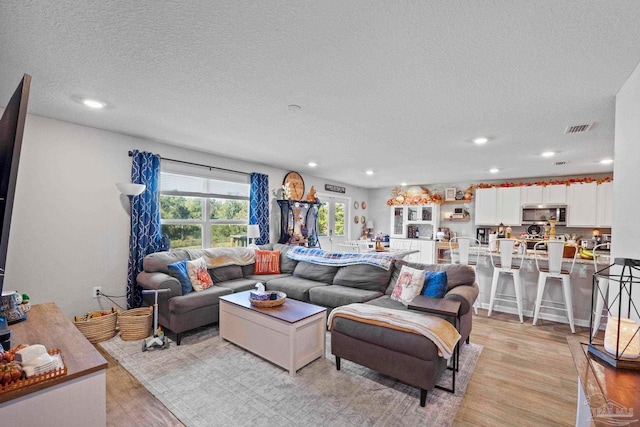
x=99, y=328
x=270, y=303
x=135, y=324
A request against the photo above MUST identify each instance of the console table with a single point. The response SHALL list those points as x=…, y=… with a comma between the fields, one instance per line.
x=605, y=394
x=76, y=399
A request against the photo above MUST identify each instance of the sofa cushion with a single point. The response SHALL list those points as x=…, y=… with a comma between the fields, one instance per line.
x=222, y=274
x=238, y=285
x=159, y=261
x=318, y=273
x=294, y=287
x=264, y=278
x=435, y=284
x=179, y=271
x=409, y=343
x=198, y=274
x=363, y=276
x=336, y=296
x=287, y=265
x=457, y=274
x=196, y=300
x=267, y=262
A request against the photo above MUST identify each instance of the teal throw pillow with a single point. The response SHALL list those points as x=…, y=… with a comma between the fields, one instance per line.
x=179, y=271
x=435, y=284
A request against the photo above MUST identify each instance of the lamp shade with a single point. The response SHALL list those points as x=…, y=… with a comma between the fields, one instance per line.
x=369, y=224
x=253, y=231
x=130, y=189
x=627, y=343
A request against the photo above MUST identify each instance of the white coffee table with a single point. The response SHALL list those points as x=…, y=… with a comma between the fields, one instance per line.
x=291, y=335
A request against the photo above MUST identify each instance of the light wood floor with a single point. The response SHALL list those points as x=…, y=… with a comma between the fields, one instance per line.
x=525, y=377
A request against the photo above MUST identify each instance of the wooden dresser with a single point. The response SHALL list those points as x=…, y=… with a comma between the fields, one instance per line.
x=75, y=399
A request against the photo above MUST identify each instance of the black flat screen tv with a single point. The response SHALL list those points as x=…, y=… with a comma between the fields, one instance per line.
x=11, y=131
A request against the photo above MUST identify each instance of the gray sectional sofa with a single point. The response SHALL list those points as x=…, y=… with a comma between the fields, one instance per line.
x=321, y=285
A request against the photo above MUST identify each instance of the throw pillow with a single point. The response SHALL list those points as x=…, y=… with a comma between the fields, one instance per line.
x=267, y=262
x=179, y=271
x=435, y=284
x=409, y=284
x=200, y=279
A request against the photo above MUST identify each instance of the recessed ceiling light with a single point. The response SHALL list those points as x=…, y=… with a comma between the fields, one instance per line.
x=494, y=170
x=404, y=184
x=92, y=103
x=369, y=172
x=606, y=161
x=481, y=140
x=312, y=164
x=294, y=107
x=548, y=154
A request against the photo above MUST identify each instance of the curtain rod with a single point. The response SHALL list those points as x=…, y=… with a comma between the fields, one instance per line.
x=198, y=164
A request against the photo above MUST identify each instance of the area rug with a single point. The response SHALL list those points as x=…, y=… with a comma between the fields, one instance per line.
x=207, y=381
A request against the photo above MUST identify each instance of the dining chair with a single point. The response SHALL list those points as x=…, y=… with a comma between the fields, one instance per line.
x=601, y=292
x=505, y=252
x=554, y=270
x=460, y=250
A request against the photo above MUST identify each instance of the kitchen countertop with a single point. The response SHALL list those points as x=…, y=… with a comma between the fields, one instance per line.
x=603, y=260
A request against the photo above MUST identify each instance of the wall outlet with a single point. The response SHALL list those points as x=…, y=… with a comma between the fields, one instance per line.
x=582, y=272
x=96, y=291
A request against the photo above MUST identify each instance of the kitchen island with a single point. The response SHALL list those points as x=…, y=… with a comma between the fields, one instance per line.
x=581, y=280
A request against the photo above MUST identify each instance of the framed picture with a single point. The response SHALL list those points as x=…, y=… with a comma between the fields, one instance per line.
x=449, y=194
x=356, y=205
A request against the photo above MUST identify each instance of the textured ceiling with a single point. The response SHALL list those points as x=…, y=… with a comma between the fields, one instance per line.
x=397, y=87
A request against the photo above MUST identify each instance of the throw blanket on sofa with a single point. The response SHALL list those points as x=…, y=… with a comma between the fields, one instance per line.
x=443, y=334
x=220, y=257
x=318, y=256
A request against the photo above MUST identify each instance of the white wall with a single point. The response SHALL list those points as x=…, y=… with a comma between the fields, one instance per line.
x=626, y=233
x=70, y=225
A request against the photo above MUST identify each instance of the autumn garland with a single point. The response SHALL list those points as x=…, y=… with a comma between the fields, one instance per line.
x=400, y=197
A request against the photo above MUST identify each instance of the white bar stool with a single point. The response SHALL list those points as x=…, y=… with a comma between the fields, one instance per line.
x=603, y=289
x=506, y=266
x=463, y=256
x=555, y=252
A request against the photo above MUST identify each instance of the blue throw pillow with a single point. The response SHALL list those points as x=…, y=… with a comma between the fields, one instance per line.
x=435, y=284
x=179, y=271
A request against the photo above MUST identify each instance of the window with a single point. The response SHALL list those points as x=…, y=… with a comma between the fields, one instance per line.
x=203, y=212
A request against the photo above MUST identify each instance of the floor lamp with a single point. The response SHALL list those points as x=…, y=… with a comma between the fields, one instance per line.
x=253, y=232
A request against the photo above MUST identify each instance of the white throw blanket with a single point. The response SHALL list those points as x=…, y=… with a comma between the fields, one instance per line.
x=220, y=257
x=443, y=334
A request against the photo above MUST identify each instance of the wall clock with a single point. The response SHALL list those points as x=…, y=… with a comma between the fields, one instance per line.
x=296, y=185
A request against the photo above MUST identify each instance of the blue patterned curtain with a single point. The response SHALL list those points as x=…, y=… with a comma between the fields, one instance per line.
x=259, y=205
x=145, y=220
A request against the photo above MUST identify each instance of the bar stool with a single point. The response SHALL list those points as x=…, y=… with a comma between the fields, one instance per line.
x=463, y=252
x=555, y=253
x=603, y=290
x=506, y=266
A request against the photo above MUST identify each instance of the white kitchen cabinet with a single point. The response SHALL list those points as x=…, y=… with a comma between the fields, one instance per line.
x=582, y=202
x=604, y=205
x=531, y=195
x=486, y=206
x=543, y=195
x=498, y=205
x=555, y=194
x=427, y=249
x=398, y=221
x=508, y=206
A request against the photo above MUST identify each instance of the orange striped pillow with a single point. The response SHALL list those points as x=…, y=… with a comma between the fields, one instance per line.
x=267, y=262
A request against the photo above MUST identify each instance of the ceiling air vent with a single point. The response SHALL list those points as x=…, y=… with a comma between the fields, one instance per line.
x=559, y=163
x=578, y=128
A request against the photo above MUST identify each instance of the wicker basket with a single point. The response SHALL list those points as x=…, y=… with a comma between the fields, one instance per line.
x=135, y=324
x=270, y=303
x=97, y=326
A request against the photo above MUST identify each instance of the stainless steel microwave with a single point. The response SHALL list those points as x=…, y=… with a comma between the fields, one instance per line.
x=541, y=214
